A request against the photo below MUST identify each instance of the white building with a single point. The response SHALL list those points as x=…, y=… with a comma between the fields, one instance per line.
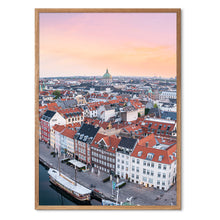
x=123, y=159
x=167, y=95
x=105, y=112
x=153, y=163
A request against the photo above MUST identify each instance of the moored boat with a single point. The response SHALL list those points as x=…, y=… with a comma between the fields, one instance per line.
x=73, y=188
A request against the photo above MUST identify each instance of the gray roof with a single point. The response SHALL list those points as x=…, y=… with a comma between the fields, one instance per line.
x=67, y=103
x=86, y=133
x=48, y=115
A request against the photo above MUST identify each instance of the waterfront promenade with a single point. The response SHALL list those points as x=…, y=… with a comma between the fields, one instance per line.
x=141, y=195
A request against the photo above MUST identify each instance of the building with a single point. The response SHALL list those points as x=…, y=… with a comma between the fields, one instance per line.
x=103, y=150
x=48, y=120
x=153, y=162
x=105, y=112
x=72, y=115
x=123, y=152
x=80, y=100
x=134, y=131
x=137, y=105
x=129, y=113
x=55, y=128
x=82, y=141
x=167, y=95
x=107, y=78
x=67, y=141
x=159, y=127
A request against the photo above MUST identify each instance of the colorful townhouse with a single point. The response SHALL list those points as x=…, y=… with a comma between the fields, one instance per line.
x=82, y=141
x=48, y=120
x=103, y=149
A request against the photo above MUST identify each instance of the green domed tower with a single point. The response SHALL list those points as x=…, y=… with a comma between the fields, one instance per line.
x=107, y=78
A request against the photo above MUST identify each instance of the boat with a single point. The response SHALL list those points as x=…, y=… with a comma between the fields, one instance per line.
x=73, y=188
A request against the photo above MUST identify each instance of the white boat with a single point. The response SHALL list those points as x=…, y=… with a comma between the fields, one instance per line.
x=73, y=188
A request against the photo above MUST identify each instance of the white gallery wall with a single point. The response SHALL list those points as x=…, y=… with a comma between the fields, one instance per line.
x=200, y=126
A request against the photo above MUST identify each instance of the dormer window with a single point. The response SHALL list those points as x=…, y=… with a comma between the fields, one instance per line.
x=140, y=153
x=160, y=158
x=150, y=156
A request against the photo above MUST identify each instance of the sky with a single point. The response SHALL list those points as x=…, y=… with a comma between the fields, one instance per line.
x=128, y=44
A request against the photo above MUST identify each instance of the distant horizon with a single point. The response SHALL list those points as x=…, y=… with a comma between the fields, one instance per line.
x=126, y=43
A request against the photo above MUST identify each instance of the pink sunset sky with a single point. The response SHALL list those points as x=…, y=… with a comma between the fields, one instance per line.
x=128, y=44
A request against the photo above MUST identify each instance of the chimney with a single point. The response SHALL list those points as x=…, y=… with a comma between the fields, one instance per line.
x=147, y=144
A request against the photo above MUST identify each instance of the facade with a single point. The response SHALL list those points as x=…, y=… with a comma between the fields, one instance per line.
x=137, y=105
x=159, y=127
x=57, y=128
x=72, y=116
x=103, y=150
x=82, y=141
x=105, y=112
x=80, y=100
x=167, y=95
x=48, y=120
x=123, y=159
x=129, y=113
x=67, y=141
x=153, y=163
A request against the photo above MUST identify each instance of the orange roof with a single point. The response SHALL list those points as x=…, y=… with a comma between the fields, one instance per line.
x=167, y=154
x=68, y=133
x=58, y=128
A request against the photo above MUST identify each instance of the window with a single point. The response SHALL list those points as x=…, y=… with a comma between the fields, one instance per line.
x=138, y=161
x=159, y=166
x=164, y=175
x=150, y=156
x=152, y=164
x=164, y=167
x=133, y=168
x=144, y=171
x=132, y=175
x=137, y=169
x=159, y=175
x=158, y=182
x=148, y=172
x=133, y=160
x=137, y=176
x=144, y=179
x=148, y=164
x=163, y=183
x=152, y=173
x=144, y=163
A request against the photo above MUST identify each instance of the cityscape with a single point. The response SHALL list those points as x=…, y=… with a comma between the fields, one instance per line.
x=115, y=136
x=108, y=109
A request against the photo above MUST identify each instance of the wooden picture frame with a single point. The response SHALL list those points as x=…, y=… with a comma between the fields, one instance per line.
x=178, y=116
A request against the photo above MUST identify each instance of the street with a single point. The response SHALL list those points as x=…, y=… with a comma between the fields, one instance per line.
x=140, y=194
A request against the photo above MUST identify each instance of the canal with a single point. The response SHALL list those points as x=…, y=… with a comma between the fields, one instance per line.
x=51, y=195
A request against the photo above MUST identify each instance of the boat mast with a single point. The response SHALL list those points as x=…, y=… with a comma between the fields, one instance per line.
x=58, y=162
x=75, y=170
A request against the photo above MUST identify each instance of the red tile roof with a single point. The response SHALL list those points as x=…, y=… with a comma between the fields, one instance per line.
x=68, y=133
x=168, y=154
x=58, y=128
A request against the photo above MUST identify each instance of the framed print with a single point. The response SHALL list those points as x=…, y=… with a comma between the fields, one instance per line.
x=107, y=109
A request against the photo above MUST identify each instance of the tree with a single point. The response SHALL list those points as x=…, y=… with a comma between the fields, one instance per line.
x=139, y=114
x=57, y=94
x=146, y=111
x=155, y=105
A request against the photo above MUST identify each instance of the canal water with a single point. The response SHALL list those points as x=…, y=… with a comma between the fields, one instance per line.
x=51, y=195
